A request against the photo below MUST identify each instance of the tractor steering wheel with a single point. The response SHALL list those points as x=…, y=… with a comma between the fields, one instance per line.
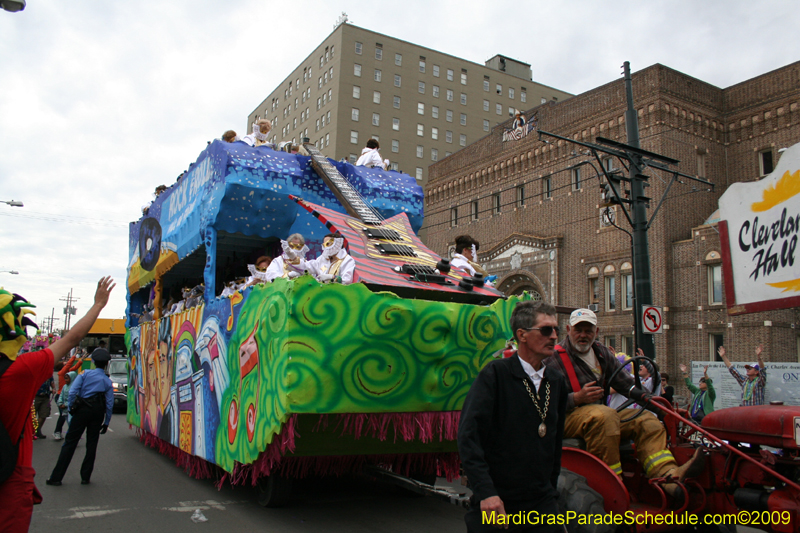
x=637, y=361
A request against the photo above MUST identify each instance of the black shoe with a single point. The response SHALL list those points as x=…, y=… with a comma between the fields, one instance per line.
x=54, y=483
x=84, y=482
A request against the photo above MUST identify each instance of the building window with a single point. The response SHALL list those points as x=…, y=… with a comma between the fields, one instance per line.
x=377, y=75
x=379, y=53
x=453, y=216
x=421, y=65
x=511, y=111
x=376, y=119
x=376, y=97
x=547, y=186
x=353, y=137
x=317, y=125
x=420, y=151
x=356, y=94
x=359, y=48
x=627, y=291
x=462, y=140
x=420, y=130
x=475, y=210
x=436, y=71
x=520, y=196
x=449, y=95
x=701, y=163
x=419, y=174
x=610, y=341
x=594, y=294
x=420, y=108
x=765, y=162
x=463, y=119
x=523, y=96
x=499, y=109
x=434, y=154
x=485, y=125
x=397, y=80
x=611, y=292
x=511, y=93
x=496, y=203
x=421, y=87
x=715, y=342
x=435, y=111
x=463, y=78
x=396, y=102
x=395, y=145
x=576, y=179
x=448, y=136
x=449, y=115
x=449, y=75
x=463, y=99
x=352, y=158
x=398, y=60
x=486, y=105
x=356, y=72
x=354, y=114
x=608, y=163
x=714, y=284
x=627, y=345
x=435, y=134
x=486, y=83
x=436, y=91
x=499, y=89
x=396, y=124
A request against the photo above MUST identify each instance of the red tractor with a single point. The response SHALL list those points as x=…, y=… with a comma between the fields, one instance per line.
x=751, y=475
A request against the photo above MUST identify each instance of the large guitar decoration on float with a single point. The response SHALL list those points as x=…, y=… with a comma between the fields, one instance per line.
x=294, y=377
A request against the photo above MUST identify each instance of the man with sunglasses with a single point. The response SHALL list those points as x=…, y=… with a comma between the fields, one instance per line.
x=587, y=365
x=511, y=428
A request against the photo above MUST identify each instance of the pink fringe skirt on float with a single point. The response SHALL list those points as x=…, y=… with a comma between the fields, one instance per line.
x=423, y=426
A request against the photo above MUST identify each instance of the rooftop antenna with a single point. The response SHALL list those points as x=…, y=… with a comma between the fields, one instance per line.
x=341, y=20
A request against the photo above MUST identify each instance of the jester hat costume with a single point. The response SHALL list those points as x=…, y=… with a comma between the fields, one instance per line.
x=13, y=322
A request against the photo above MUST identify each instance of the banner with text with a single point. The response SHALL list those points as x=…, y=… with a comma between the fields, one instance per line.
x=783, y=382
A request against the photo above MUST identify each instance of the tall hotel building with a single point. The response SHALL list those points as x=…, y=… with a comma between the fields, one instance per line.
x=421, y=105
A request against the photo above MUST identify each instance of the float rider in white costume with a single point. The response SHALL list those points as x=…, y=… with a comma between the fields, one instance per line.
x=292, y=262
x=335, y=264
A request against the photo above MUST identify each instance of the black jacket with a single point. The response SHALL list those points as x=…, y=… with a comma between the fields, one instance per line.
x=501, y=451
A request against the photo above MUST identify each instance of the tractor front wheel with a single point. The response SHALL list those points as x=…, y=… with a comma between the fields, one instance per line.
x=574, y=494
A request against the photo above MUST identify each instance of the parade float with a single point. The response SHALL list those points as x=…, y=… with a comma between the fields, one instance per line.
x=295, y=377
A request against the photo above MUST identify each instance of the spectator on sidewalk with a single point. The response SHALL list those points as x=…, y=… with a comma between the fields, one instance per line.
x=18, y=384
x=703, y=395
x=754, y=384
x=41, y=404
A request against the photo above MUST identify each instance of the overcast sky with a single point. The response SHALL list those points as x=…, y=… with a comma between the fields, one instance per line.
x=100, y=101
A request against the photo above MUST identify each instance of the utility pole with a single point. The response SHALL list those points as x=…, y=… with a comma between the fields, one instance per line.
x=643, y=287
x=638, y=161
x=69, y=310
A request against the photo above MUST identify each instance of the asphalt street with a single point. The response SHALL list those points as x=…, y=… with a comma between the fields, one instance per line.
x=134, y=488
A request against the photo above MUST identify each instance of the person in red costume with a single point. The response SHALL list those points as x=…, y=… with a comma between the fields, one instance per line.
x=22, y=377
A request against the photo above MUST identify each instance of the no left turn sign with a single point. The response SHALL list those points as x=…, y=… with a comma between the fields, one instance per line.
x=652, y=319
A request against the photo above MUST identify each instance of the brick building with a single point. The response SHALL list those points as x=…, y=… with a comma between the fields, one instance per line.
x=534, y=207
